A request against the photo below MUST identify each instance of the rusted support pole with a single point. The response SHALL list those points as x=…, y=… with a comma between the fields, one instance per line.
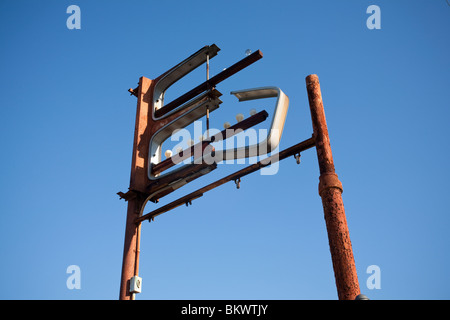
x=130, y=264
x=330, y=190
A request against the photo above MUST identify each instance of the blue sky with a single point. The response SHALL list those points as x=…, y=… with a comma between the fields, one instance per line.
x=67, y=124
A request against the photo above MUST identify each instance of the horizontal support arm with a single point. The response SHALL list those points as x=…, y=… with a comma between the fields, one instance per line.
x=302, y=146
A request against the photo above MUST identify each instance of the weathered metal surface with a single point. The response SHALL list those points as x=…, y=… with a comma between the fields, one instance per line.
x=176, y=73
x=145, y=128
x=224, y=134
x=130, y=250
x=330, y=190
x=276, y=127
x=195, y=109
x=168, y=184
x=228, y=72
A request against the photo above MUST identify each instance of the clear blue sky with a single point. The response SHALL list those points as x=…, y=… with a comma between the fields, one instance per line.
x=67, y=124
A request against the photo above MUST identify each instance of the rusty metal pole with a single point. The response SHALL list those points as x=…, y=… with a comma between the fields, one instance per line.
x=138, y=176
x=330, y=190
x=130, y=264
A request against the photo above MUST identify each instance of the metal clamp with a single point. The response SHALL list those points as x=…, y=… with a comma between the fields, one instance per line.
x=329, y=180
x=238, y=183
x=297, y=158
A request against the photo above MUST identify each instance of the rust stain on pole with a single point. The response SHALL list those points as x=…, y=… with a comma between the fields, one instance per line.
x=330, y=190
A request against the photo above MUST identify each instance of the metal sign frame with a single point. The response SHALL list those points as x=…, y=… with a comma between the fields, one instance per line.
x=154, y=122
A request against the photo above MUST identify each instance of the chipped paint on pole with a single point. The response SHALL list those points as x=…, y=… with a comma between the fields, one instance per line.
x=330, y=190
